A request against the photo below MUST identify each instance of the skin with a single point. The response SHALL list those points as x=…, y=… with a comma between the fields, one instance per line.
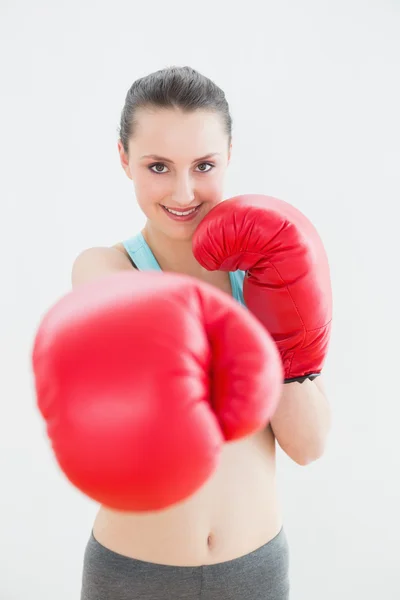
x=237, y=510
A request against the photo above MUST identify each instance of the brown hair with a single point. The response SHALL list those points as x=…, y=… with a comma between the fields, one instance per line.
x=173, y=87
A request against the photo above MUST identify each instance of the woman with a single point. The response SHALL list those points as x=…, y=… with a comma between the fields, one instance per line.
x=227, y=540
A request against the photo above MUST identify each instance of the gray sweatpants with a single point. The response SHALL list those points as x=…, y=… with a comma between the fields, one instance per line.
x=261, y=575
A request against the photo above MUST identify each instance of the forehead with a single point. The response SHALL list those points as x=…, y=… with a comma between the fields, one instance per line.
x=172, y=131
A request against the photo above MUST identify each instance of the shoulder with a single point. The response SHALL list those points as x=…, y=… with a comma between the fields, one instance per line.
x=121, y=248
x=97, y=261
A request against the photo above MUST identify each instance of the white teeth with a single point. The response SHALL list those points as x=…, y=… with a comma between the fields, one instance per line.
x=181, y=214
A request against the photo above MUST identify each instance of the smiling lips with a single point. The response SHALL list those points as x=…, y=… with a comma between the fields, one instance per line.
x=181, y=215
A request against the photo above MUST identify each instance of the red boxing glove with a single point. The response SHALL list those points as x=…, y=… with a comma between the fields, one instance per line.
x=287, y=284
x=142, y=377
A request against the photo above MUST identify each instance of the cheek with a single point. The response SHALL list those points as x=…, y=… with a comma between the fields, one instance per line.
x=149, y=188
x=212, y=187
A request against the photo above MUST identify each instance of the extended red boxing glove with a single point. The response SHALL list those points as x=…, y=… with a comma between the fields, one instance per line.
x=142, y=377
x=287, y=284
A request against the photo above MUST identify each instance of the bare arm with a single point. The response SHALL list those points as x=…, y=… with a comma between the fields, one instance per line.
x=302, y=421
x=97, y=262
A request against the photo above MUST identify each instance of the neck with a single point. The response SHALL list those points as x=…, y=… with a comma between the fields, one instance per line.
x=172, y=255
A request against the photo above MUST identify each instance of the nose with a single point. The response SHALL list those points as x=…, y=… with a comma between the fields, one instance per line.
x=183, y=192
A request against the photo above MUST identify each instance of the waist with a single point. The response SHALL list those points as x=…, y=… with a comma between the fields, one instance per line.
x=234, y=513
x=262, y=573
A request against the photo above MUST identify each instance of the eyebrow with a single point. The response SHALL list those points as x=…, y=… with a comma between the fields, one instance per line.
x=168, y=160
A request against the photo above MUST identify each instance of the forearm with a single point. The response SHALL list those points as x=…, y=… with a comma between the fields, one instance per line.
x=302, y=421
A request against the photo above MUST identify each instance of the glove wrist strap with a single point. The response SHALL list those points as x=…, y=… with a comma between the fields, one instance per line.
x=302, y=379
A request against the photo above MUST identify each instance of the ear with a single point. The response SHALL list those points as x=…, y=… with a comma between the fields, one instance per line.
x=124, y=159
x=229, y=153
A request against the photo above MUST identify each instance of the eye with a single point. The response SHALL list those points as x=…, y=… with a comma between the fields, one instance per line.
x=207, y=165
x=151, y=167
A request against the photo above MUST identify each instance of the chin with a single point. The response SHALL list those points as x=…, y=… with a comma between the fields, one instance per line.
x=185, y=235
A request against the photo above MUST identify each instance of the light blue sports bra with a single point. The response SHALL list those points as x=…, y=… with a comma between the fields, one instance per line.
x=144, y=259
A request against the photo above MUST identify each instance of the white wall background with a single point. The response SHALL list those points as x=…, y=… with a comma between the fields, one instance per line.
x=314, y=91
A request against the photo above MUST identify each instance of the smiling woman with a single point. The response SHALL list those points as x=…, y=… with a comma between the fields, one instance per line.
x=225, y=540
x=175, y=146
